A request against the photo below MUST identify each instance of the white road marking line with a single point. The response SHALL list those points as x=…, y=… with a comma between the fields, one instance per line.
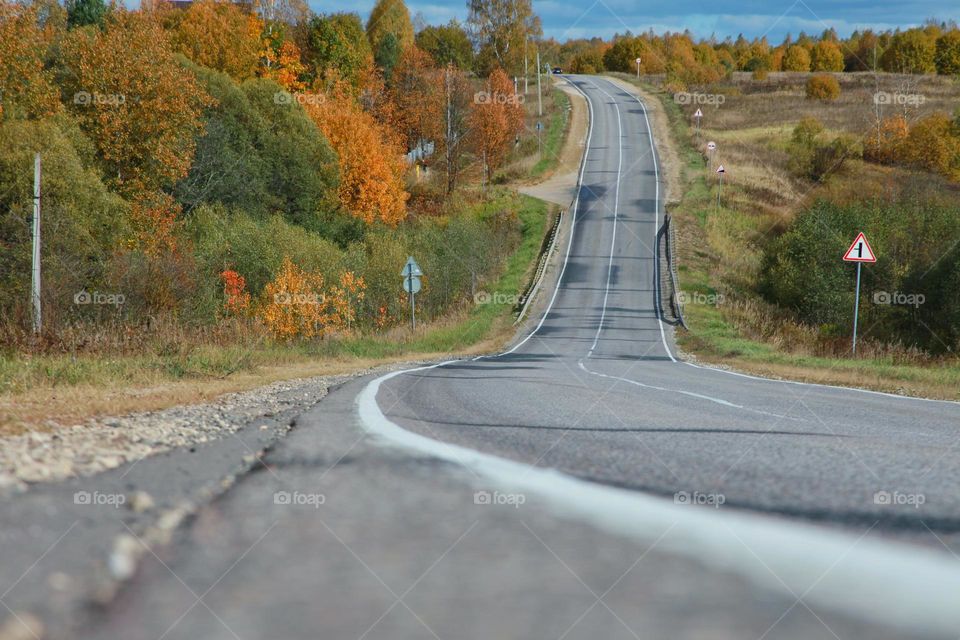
x=884, y=582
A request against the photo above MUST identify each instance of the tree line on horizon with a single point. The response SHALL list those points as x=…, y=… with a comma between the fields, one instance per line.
x=931, y=48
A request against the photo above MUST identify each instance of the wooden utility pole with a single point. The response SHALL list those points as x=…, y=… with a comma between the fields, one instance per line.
x=539, y=96
x=35, y=279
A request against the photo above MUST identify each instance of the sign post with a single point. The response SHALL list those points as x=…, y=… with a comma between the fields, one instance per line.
x=411, y=284
x=720, y=172
x=711, y=148
x=859, y=252
x=697, y=116
x=638, y=68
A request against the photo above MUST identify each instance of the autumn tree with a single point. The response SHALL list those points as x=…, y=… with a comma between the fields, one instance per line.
x=337, y=48
x=417, y=93
x=220, y=35
x=933, y=144
x=27, y=87
x=389, y=17
x=371, y=163
x=500, y=30
x=826, y=56
x=797, y=58
x=910, y=51
x=134, y=100
x=496, y=118
x=884, y=144
x=452, y=144
x=447, y=43
x=282, y=64
x=948, y=53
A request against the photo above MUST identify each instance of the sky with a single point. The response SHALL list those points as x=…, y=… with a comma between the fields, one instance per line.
x=565, y=19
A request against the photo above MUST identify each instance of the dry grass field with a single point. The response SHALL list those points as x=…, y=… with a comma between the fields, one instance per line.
x=721, y=246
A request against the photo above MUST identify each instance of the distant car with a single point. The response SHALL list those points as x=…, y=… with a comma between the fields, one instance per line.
x=557, y=70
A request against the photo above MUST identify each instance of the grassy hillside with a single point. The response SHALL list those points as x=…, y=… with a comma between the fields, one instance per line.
x=768, y=206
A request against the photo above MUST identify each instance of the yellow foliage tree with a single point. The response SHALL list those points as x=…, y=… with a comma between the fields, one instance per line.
x=220, y=35
x=933, y=144
x=135, y=101
x=26, y=87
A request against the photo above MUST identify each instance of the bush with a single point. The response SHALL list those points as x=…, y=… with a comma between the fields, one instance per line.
x=912, y=233
x=815, y=159
x=260, y=154
x=823, y=86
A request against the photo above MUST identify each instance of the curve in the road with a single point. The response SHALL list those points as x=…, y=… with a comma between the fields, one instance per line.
x=606, y=317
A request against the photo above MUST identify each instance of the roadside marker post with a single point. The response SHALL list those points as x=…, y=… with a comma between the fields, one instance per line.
x=859, y=252
x=411, y=284
x=539, y=130
x=720, y=172
x=638, y=68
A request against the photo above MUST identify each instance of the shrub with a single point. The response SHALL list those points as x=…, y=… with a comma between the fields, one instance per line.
x=913, y=234
x=823, y=86
x=933, y=144
x=884, y=143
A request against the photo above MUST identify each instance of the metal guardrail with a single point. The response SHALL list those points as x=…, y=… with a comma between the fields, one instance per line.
x=672, y=312
x=546, y=251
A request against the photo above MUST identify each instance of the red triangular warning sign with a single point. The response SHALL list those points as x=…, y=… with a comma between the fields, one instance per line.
x=860, y=251
x=720, y=169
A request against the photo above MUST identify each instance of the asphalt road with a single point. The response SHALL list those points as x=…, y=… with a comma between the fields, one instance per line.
x=598, y=393
x=586, y=484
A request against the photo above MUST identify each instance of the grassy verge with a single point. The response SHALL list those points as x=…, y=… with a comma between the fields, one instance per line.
x=553, y=134
x=35, y=388
x=713, y=238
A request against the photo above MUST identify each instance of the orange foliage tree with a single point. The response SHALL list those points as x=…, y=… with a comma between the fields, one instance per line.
x=294, y=304
x=135, y=101
x=237, y=298
x=220, y=35
x=26, y=87
x=495, y=120
x=417, y=92
x=283, y=65
x=884, y=144
x=371, y=162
